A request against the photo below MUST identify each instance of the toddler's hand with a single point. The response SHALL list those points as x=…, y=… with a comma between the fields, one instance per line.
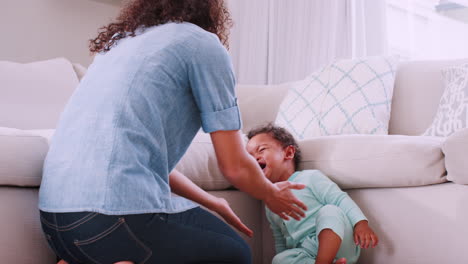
x=364, y=235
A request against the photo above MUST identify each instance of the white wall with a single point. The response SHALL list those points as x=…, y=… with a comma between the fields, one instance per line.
x=32, y=30
x=460, y=14
x=417, y=32
x=248, y=40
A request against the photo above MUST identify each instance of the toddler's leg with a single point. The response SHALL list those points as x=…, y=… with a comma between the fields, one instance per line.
x=335, y=236
x=293, y=256
x=329, y=244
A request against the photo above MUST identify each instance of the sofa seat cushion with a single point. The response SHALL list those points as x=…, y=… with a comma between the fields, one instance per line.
x=361, y=161
x=21, y=157
x=352, y=161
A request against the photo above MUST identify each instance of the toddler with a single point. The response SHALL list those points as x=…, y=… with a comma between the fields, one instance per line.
x=334, y=229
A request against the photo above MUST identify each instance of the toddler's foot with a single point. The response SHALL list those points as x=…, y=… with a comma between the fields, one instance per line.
x=341, y=261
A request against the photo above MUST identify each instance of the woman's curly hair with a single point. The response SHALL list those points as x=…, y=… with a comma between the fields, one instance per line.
x=211, y=15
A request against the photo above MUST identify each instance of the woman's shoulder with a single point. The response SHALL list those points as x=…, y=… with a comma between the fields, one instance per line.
x=187, y=36
x=184, y=32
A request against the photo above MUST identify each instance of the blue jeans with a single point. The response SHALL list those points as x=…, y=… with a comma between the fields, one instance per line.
x=193, y=236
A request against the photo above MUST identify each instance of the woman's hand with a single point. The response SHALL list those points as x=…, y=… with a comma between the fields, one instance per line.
x=364, y=235
x=283, y=203
x=184, y=187
x=221, y=206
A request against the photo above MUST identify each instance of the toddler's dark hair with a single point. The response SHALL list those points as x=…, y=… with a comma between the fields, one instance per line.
x=281, y=135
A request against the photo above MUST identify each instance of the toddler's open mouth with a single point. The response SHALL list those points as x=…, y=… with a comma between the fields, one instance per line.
x=262, y=165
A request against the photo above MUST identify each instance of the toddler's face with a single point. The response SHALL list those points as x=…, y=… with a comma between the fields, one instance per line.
x=270, y=155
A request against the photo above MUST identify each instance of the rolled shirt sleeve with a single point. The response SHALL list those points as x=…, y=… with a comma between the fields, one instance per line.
x=213, y=83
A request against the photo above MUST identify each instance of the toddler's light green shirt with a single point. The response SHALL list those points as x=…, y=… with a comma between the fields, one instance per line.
x=319, y=191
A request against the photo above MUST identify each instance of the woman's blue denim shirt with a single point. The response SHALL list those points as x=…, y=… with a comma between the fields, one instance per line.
x=132, y=118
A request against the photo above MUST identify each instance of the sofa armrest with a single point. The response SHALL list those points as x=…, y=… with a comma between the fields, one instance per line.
x=455, y=149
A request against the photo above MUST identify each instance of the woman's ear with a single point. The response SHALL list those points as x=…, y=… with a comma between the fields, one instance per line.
x=289, y=151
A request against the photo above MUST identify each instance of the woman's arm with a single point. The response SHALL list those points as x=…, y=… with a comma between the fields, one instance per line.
x=184, y=187
x=243, y=171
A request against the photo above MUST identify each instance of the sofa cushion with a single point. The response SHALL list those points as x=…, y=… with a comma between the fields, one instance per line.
x=452, y=113
x=455, y=149
x=361, y=161
x=299, y=112
x=21, y=157
x=200, y=165
x=346, y=97
x=23, y=153
x=352, y=161
x=34, y=94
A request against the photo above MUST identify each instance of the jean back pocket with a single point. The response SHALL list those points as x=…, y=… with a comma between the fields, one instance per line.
x=117, y=243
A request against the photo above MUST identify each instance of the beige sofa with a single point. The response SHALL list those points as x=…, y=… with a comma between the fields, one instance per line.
x=424, y=223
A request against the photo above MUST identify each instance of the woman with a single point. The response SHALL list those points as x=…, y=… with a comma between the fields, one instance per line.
x=159, y=74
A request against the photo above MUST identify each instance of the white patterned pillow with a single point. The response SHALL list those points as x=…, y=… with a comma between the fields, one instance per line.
x=452, y=114
x=346, y=97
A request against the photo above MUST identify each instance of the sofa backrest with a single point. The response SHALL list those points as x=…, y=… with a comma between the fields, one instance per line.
x=417, y=92
x=33, y=95
x=259, y=104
